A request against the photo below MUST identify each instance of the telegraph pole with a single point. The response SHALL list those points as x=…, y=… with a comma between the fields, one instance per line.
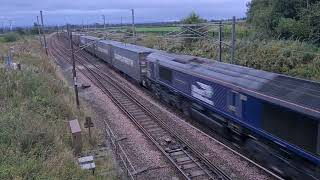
x=73, y=67
x=44, y=36
x=58, y=31
x=82, y=25
x=104, y=21
x=220, y=41
x=39, y=31
x=10, y=25
x=233, y=39
x=2, y=27
x=133, y=25
x=121, y=23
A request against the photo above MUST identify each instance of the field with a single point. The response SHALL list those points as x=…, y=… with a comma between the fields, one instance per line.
x=242, y=30
x=160, y=30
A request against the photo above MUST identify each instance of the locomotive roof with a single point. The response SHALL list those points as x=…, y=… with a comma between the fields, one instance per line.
x=90, y=38
x=297, y=94
x=132, y=47
x=109, y=42
x=121, y=45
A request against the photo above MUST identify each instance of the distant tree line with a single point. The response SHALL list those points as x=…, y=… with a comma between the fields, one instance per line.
x=298, y=19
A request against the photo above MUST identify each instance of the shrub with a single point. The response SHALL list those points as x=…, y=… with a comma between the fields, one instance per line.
x=193, y=18
x=193, y=31
x=294, y=18
x=10, y=37
x=288, y=28
x=281, y=56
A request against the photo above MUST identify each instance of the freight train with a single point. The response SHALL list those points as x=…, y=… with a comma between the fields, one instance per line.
x=273, y=117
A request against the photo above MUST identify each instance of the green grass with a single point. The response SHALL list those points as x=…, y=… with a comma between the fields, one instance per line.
x=35, y=106
x=9, y=37
x=293, y=58
x=242, y=31
x=157, y=29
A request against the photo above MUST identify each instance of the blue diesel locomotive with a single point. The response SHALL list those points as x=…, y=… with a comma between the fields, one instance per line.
x=275, y=118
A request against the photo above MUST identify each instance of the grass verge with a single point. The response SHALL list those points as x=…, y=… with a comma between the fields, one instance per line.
x=35, y=107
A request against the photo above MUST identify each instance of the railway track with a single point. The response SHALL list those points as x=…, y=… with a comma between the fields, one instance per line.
x=187, y=160
x=97, y=74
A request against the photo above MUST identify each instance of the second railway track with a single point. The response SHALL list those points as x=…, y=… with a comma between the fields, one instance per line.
x=191, y=163
x=188, y=159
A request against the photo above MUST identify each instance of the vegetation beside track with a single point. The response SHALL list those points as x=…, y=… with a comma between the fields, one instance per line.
x=9, y=37
x=35, y=107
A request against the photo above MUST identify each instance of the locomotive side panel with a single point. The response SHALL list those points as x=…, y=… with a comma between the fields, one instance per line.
x=292, y=127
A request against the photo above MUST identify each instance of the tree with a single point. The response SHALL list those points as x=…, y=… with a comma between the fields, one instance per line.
x=285, y=18
x=311, y=18
x=20, y=31
x=193, y=18
x=193, y=29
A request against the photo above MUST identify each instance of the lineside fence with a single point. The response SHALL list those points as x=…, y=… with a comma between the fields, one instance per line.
x=120, y=153
x=214, y=32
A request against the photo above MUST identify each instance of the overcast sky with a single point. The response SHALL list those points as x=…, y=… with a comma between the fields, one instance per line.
x=57, y=12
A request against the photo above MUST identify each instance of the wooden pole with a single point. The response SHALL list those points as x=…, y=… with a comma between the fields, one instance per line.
x=233, y=46
x=220, y=41
x=73, y=67
x=133, y=25
x=39, y=31
x=44, y=36
x=104, y=21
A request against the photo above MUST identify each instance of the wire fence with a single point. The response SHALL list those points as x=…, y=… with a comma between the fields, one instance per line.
x=130, y=171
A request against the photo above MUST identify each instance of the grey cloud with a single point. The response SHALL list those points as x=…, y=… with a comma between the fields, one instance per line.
x=76, y=11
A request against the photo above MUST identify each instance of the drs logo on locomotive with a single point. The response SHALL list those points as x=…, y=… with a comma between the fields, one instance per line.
x=203, y=92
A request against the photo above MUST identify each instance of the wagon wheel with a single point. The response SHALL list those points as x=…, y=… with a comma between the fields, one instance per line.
x=185, y=108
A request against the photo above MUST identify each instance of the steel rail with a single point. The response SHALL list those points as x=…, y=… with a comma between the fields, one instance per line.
x=214, y=169
x=99, y=84
x=233, y=151
x=172, y=131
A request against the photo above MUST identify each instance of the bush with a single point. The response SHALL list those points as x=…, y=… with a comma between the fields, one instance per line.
x=10, y=37
x=21, y=31
x=192, y=31
x=289, y=28
x=286, y=19
x=193, y=18
x=293, y=58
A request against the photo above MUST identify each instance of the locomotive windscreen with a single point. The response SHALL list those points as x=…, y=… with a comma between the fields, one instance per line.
x=293, y=127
